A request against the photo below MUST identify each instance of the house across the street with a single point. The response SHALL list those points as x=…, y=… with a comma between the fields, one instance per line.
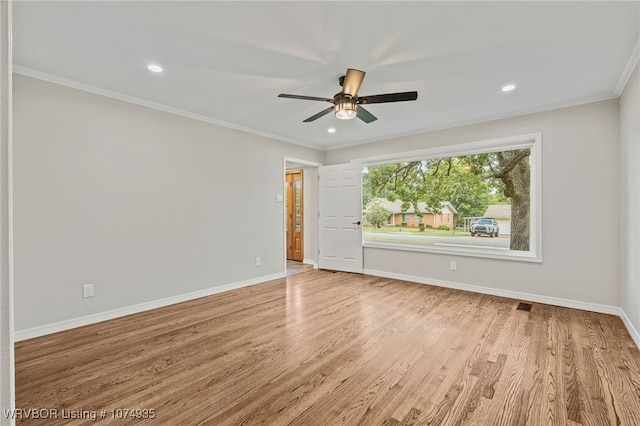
x=502, y=214
x=430, y=217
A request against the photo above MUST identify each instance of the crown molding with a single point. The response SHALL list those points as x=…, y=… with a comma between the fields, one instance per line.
x=28, y=72
x=628, y=69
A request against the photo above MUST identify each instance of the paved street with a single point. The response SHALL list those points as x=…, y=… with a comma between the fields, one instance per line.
x=501, y=242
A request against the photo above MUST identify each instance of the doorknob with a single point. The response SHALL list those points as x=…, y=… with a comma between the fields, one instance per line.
x=356, y=223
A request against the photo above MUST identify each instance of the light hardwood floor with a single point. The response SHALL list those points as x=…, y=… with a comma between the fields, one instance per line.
x=322, y=348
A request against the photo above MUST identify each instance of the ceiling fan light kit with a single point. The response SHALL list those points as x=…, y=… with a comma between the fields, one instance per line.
x=346, y=109
x=347, y=103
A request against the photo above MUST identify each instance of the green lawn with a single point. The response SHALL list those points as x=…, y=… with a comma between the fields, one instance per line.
x=406, y=230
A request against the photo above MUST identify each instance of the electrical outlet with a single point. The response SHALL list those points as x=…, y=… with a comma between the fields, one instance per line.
x=453, y=266
x=258, y=261
x=87, y=290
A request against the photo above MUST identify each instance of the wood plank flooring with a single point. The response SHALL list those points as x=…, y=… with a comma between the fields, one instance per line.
x=322, y=348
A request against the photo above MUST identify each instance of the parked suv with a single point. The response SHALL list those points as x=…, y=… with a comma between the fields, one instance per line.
x=485, y=225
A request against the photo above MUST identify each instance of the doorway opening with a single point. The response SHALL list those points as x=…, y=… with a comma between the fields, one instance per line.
x=300, y=215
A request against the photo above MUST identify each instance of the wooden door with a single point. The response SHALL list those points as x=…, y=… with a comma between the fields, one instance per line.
x=295, y=242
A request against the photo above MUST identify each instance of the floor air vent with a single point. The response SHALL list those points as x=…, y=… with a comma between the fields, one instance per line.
x=524, y=307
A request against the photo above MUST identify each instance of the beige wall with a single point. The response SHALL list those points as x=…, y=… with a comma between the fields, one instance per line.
x=143, y=204
x=630, y=199
x=580, y=155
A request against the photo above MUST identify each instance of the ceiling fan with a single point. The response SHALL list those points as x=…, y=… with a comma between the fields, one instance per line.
x=347, y=104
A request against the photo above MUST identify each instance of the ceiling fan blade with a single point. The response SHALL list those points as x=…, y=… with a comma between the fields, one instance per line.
x=365, y=115
x=318, y=115
x=388, y=97
x=307, y=98
x=352, y=81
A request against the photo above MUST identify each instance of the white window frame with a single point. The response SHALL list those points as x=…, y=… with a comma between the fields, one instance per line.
x=533, y=141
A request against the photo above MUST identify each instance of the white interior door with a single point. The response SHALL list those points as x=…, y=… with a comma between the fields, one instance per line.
x=340, y=217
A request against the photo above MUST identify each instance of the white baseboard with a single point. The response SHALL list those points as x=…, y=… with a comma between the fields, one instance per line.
x=128, y=310
x=567, y=303
x=310, y=262
x=630, y=328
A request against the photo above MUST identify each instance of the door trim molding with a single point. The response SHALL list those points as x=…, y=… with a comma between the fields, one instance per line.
x=306, y=163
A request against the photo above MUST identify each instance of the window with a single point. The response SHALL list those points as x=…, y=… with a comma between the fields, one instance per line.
x=477, y=199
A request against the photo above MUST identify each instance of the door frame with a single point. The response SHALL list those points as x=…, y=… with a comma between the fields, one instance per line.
x=297, y=163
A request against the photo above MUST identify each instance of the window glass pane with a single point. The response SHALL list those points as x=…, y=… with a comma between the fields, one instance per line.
x=297, y=192
x=481, y=201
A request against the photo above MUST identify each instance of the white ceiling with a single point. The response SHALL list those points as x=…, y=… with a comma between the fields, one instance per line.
x=226, y=62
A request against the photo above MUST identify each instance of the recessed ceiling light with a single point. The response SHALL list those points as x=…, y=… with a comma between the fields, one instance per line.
x=508, y=87
x=154, y=68
x=331, y=130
